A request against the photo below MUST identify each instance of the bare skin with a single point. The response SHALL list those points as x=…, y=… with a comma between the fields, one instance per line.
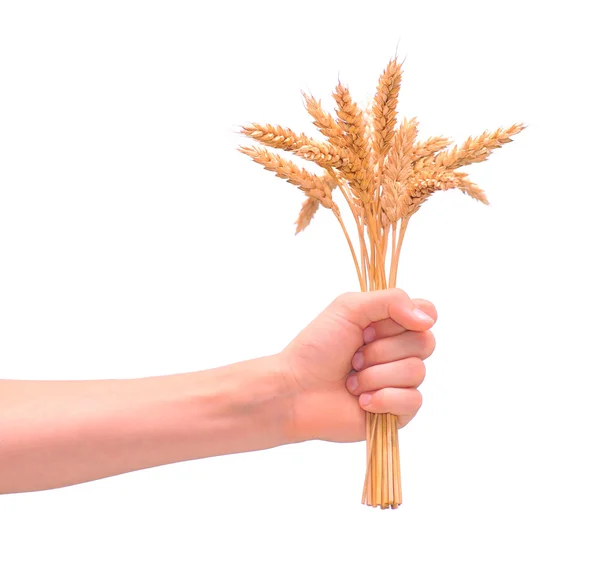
x=364, y=352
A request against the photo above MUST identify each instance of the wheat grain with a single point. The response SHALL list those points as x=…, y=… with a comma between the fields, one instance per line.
x=384, y=108
x=400, y=156
x=352, y=122
x=311, y=184
x=328, y=156
x=324, y=122
x=430, y=146
x=369, y=118
x=323, y=154
x=309, y=208
x=470, y=188
x=475, y=149
x=275, y=136
x=390, y=200
x=397, y=168
x=420, y=188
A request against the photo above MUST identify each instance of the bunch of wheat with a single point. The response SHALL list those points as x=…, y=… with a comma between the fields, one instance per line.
x=384, y=174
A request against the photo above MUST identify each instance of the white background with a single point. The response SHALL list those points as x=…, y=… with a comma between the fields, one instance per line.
x=135, y=240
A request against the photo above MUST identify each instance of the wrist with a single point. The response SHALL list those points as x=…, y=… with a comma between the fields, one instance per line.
x=248, y=406
x=290, y=393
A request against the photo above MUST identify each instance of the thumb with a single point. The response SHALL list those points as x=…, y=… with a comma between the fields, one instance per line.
x=364, y=308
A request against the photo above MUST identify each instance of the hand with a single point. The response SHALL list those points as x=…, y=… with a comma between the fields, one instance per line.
x=364, y=352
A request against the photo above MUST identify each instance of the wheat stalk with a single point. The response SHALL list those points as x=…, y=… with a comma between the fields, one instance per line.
x=385, y=176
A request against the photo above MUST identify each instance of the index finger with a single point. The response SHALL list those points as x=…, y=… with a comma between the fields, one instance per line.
x=388, y=328
x=365, y=308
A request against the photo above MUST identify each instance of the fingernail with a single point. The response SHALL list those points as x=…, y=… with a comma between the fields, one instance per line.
x=421, y=315
x=369, y=335
x=358, y=360
x=365, y=399
x=352, y=383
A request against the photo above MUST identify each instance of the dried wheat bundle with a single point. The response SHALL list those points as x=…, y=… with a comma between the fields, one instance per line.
x=385, y=175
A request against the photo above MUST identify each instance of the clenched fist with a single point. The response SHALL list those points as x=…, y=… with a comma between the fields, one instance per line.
x=365, y=352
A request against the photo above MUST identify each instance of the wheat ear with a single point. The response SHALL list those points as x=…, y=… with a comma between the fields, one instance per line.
x=324, y=122
x=352, y=122
x=310, y=183
x=475, y=149
x=309, y=208
x=384, y=109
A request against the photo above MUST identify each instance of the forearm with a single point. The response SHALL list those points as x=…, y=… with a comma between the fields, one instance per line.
x=55, y=434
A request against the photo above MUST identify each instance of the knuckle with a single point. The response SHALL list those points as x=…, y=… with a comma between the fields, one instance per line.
x=367, y=380
x=412, y=406
x=345, y=298
x=427, y=343
x=373, y=352
x=346, y=303
x=415, y=370
x=418, y=401
x=399, y=294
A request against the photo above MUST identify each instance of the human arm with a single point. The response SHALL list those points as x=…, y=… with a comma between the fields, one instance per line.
x=58, y=433
x=55, y=434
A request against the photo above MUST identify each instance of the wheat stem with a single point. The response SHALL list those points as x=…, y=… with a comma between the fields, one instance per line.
x=386, y=475
x=380, y=459
x=371, y=427
x=394, y=235
x=368, y=439
x=377, y=259
x=396, y=463
x=336, y=212
x=385, y=236
x=390, y=459
x=363, y=249
x=396, y=253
